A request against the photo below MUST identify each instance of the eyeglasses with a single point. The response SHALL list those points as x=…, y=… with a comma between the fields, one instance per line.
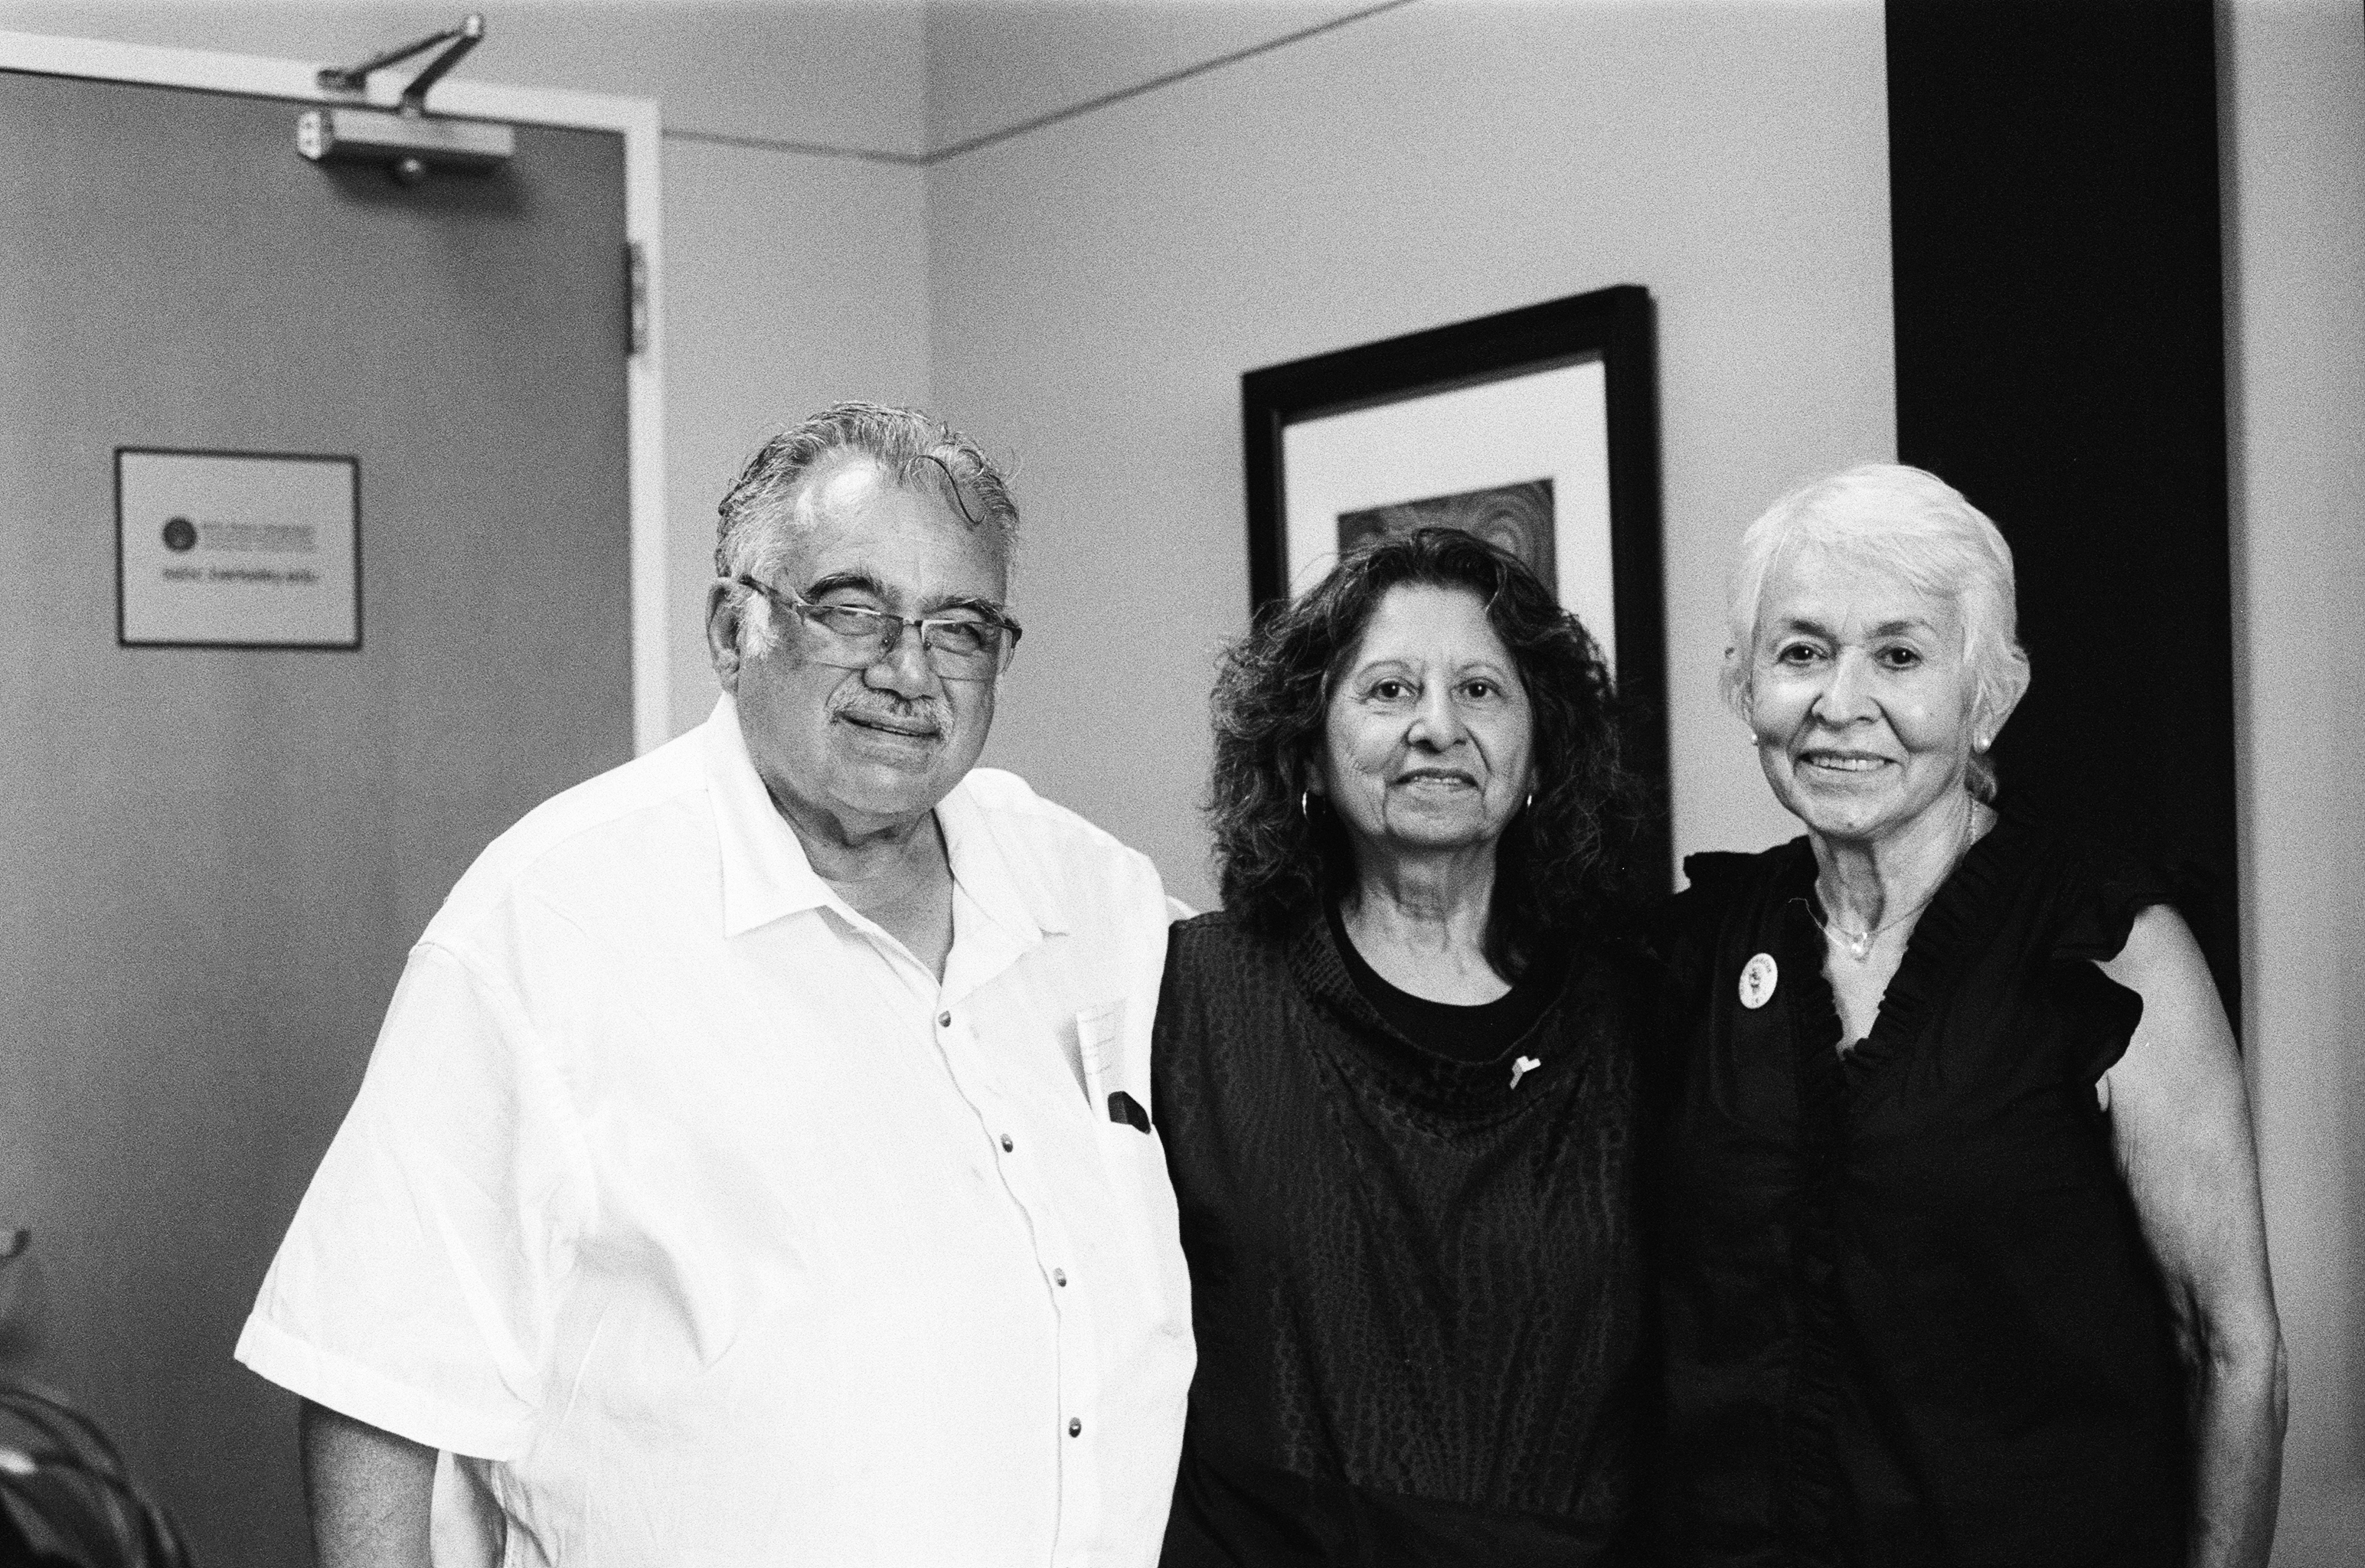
x=971, y=646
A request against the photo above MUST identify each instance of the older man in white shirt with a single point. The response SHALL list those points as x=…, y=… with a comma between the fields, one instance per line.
x=756, y=1165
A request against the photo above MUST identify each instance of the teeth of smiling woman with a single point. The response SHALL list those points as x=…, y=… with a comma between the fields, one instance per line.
x=1845, y=764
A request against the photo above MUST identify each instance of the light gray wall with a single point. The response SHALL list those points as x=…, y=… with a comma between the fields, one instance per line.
x=793, y=281
x=2294, y=115
x=795, y=276
x=1099, y=286
x=996, y=64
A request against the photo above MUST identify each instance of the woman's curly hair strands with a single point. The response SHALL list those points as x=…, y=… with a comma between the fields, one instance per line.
x=1560, y=861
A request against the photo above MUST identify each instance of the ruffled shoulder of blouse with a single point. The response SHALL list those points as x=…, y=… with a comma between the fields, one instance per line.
x=2099, y=892
x=1684, y=933
x=2083, y=894
x=1722, y=882
x=1717, y=880
x=2067, y=899
x=1717, y=874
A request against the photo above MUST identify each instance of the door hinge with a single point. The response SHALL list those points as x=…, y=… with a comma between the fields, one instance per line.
x=636, y=295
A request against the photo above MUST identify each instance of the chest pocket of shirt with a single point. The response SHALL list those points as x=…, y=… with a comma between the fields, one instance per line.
x=1115, y=1085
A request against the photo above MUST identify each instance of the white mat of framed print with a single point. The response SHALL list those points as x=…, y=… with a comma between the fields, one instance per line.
x=1522, y=462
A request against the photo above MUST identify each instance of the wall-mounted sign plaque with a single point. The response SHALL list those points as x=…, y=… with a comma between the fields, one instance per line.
x=237, y=549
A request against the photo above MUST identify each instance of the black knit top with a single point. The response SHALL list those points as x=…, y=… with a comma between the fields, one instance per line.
x=1416, y=1289
x=1910, y=1315
x=1466, y=1032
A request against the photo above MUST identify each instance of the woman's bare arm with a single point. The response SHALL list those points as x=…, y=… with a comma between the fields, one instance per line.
x=369, y=1491
x=2180, y=1122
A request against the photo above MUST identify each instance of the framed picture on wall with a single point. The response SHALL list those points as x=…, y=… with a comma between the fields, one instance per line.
x=1536, y=429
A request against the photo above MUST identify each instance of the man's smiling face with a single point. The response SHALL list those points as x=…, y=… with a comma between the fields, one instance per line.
x=867, y=748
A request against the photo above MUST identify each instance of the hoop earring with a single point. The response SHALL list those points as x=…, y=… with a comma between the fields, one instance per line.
x=1302, y=812
x=1529, y=804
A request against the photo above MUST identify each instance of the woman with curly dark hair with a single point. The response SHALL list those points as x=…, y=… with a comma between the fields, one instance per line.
x=1396, y=1080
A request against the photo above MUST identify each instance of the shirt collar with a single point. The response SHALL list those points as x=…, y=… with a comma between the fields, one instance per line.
x=1012, y=889
x=766, y=876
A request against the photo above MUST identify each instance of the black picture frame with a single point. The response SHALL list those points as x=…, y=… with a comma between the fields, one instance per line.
x=1614, y=327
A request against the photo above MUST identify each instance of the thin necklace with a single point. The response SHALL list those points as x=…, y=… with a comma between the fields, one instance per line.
x=1857, y=945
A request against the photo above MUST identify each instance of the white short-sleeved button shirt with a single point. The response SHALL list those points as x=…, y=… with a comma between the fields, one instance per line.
x=719, y=1232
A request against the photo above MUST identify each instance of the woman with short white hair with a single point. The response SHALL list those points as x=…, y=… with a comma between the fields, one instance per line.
x=1962, y=1253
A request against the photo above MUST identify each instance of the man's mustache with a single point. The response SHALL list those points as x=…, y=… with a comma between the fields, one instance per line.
x=926, y=715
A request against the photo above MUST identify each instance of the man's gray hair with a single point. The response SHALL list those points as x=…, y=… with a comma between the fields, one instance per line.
x=1911, y=523
x=915, y=450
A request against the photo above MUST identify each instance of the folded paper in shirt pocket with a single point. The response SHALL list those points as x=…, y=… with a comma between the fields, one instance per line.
x=1100, y=1039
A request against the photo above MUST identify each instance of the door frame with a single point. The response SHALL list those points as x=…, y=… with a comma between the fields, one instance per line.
x=637, y=119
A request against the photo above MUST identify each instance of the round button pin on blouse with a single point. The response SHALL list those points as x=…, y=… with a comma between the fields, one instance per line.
x=1758, y=979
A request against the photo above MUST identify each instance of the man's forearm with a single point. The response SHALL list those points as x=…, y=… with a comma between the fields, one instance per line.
x=370, y=1492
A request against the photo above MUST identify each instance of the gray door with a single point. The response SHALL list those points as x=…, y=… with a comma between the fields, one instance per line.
x=212, y=860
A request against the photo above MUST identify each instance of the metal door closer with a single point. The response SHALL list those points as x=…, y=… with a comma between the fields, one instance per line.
x=407, y=140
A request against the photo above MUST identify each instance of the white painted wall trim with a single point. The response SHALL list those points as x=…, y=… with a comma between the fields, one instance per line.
x=636, y=118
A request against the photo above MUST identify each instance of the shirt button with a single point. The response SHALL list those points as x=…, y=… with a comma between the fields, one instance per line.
x=1075, y=1427
x=1059, y=1276
x=944, y=1019
x=1006, y=1145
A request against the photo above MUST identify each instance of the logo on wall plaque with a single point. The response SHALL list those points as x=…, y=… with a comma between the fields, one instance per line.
x=237, y=549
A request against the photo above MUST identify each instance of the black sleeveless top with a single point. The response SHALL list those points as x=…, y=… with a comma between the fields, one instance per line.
x=1418, y=1291
x=1909, y=1316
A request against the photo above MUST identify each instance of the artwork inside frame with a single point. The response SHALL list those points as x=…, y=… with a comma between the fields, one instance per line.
x=1536, y=429
x=1518, y=515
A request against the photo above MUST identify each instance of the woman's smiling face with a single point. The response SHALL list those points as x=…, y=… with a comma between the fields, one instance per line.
x=1426, y=744
x=1859, y=695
